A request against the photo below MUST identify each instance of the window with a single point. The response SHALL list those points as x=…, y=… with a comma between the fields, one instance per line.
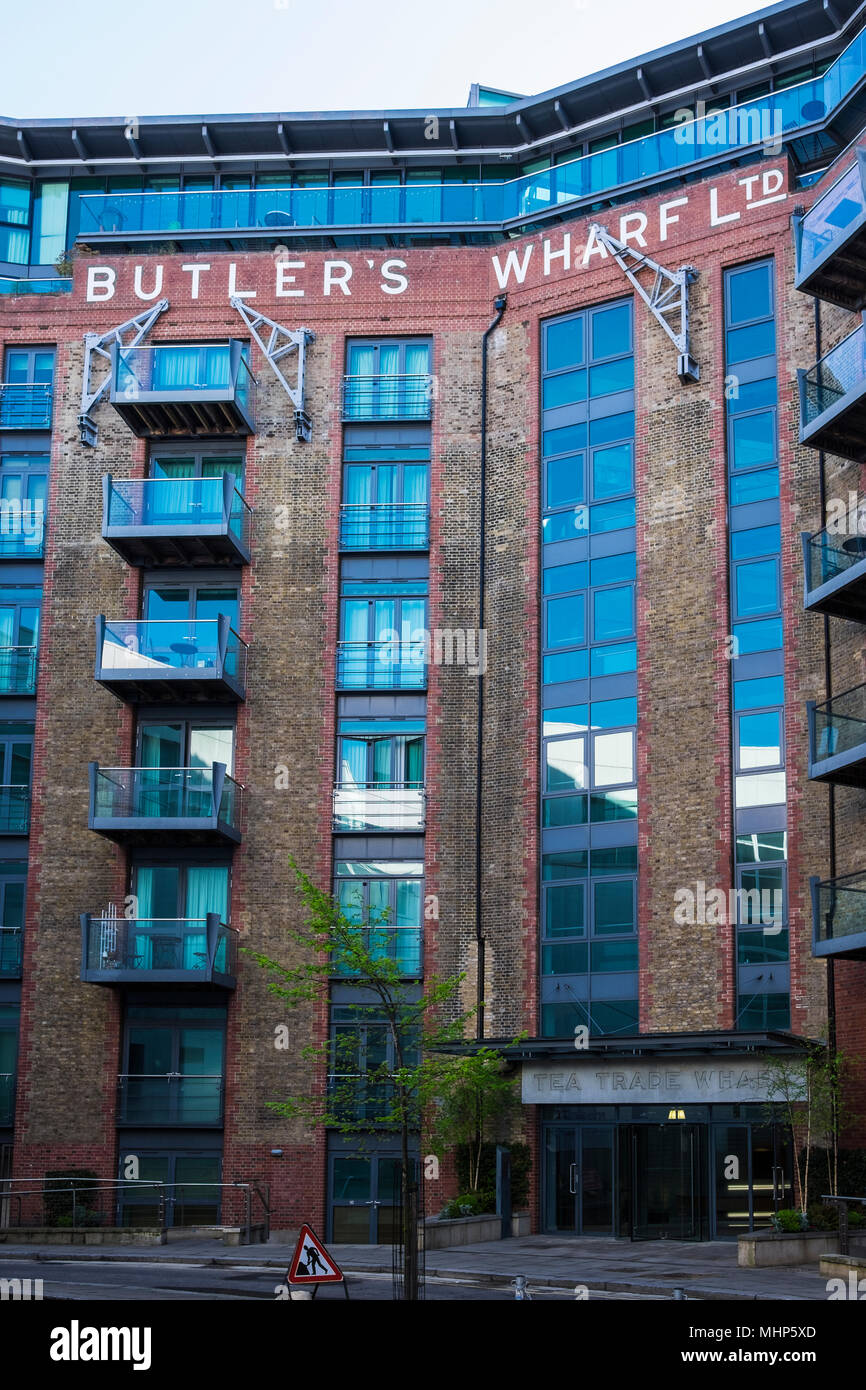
x=386, y=900
x=28, y=386
x=381, y=752
x=23, y=500
x=181, y=603
x=171, y=903
x=382, y=628
x=187, y=743
x=387, y=379
x=13, y=884
x=385, y=499
x=50, y=207
x=19, y=638
x=362, y=1060
x=172, y=1066
x=14, y=221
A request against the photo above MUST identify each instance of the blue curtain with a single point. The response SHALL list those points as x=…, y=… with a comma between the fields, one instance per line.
x=207, y=890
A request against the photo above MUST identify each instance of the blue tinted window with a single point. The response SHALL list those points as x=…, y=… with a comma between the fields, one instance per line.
x=564, y=526
x=607, y=429
x=760, y=740
x=565, y=719
x=569, y=863
x=610, y=568
x=564, y=579
x=611, y=331
x=565, y=481
x=757, y=588
x=564, y=389
x=564, y=910
x=760, y=540
x=564, y=440
x=612, y=613
x=612, y=471
x=566, y=623
x=612, y=376
x=612, y=516
x=753, y=440
x=613, y=907
x=564, y=342
x=751, y=294
x=758, y=694
x=754, y=487
x=750, y=395
x=565, y=666
x=614, y=661
x=613, y=714
x=758, y=340
x=564, y=810
x=765, y=636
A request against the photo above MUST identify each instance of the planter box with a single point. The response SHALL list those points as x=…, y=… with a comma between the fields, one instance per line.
x=851, y=1268
x=441, y=1234
x=85, y=1235
x=763, y=1249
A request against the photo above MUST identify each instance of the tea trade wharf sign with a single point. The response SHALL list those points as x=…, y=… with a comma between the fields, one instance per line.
x=604, y=1081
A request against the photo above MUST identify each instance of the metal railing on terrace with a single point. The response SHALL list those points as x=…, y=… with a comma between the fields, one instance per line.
x=384, y=526
x=404, y=946
x=189, y=950
x=18, y=670
x=388, y=396
x=837, y=729
x=749, y=125
x=167, y=504
x=174, y=653
x=839, y=916
x=79, y=1203
x=375, y=806
x=839, y=371
x=381, y=666
x=170, y=1098
x=26, y=406
x=831, y=221
x=14, y=809
x=182, y=797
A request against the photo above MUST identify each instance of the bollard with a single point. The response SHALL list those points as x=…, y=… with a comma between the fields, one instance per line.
x=518, y=1284
x=679, y=1293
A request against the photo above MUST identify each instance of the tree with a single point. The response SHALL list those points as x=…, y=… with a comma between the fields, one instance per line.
x=476, y=1102
x=807, y=1092
x=388, y=1062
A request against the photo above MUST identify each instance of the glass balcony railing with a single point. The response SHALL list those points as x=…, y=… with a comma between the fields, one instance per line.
x=831, y=398
x=25, y=406
x=7, y=1097
x=172, y=658
x=384, y=526
x=191, y=520
x=833, y=224
x=199, y=950
x=839, y=916
x=762, y=123
x=834, y=566
x=381, y=666
x=142, y=800
x=837, y=738
x=387, y=397
x=14, y=810
x=18, y=670
x=169, y=1098
x=379, y=806
x=190, y=389
x=22, y=528
x=404, y=946
x=59, y=285
x=11, y=947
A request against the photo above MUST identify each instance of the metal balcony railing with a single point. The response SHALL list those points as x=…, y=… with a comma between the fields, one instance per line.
x=837, y=738
x=381, y=666
x=379, y=806
x=145, y=799
x=14, y=809
x=171, y=658
x=839, y=916
x=11, y=947
x=193, y=950
x=834, y=567
x=832, y=226
x=22, y=529
x=56, y=285
x=404, y=946
x=169, y=1098
x=25, y=406
x=384, y=526
x=195, y=518
x=387, y=396
x=18, y=670
x=829, y=391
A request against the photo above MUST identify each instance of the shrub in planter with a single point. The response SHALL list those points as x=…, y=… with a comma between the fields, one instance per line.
x=521, y=1163
x=58, y=1198
x=788, y=1221
x=470, y=1204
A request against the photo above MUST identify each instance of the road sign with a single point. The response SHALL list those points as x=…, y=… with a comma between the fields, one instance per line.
x=311, y=1263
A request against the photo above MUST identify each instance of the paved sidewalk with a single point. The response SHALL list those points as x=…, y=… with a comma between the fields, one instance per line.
x=707, y=1271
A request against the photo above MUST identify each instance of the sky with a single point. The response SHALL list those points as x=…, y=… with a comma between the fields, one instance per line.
x=197, y=57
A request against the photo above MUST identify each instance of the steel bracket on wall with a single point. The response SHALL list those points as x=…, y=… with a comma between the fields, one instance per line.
x=666, y=297
x=99, y=345
x=277, y=346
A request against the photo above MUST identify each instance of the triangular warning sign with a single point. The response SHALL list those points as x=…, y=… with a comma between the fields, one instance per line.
x=311, y=1263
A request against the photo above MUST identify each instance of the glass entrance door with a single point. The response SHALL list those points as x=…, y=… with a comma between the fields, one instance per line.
x=579, y=1180
x=365, y=1198
x=666, y=1175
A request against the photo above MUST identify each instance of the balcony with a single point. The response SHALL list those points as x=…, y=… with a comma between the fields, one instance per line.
x=169, y=1098
x=22, y=529
x=834, y=565
x=839, y=917
x=830, y=241
x=203, y=390
x=387, y=397
x=166, y=805
x=833, y=399
x=188, y=951
x=380, y=806
x=7, y=1097
x=11, y=947
x=17, y=670
x=837, y=739
x=196, y=659
x=384, y=526
x=25, y=406
x=381, y=666
x=14, y=809
x=176, y=521
x=403, y=946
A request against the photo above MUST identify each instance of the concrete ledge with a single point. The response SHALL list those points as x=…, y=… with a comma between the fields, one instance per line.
x=442, y=1234
x=764, y=1249
x=93, y=1235
x=844, y=1266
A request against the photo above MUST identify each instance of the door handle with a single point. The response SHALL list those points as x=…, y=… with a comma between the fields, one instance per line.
x=572, y=1179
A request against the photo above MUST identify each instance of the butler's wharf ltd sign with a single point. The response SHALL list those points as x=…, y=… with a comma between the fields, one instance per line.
x=607, y=1082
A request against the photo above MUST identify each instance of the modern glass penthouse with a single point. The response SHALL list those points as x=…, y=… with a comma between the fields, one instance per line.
x=335, y=394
